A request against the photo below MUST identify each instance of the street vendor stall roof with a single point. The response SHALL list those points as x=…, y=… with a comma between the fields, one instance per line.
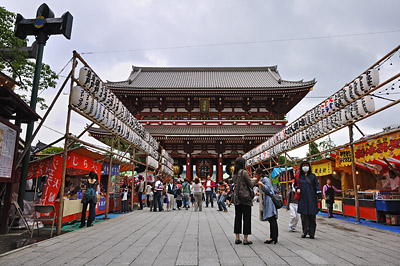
x=13, y=107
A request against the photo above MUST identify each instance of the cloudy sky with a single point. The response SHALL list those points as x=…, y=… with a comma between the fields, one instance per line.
x=118, y=34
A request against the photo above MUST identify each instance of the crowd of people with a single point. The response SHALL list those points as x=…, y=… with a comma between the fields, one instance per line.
x=176, y=194
x=242, y=191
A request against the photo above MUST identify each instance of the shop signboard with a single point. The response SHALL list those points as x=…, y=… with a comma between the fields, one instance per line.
x=322, y=169
x=337, y=206
x=8, y=138
x=114, y=169
x=379, y=148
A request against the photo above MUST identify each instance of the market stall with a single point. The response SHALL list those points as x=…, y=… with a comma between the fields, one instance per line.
x=374, y=159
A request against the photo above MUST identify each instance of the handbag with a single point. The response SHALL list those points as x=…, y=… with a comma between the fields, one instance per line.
x=244, y=193
x=277, y=200
x=296, y=194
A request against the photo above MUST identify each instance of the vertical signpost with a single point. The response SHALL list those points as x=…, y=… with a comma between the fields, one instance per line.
x=353, y=173
x=42, y=27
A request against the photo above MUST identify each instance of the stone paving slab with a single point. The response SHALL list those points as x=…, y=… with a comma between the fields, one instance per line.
x=186, y=237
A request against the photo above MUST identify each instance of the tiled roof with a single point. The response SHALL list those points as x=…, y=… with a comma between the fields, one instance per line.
x=212, y=130
x=204, y=130
x=206, y=78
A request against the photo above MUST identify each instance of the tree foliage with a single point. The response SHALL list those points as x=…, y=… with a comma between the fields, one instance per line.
x=52, y=150
x=20, y=68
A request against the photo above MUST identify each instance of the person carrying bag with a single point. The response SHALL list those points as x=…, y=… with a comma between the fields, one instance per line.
x=242, y=198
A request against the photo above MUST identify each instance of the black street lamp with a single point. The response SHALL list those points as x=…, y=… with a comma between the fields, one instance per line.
x=44, y=25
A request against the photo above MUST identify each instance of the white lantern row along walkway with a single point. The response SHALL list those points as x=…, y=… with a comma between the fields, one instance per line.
x=333, y=113
x=101, y=104
x=153, y=163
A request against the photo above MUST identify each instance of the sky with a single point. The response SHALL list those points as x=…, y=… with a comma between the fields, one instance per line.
x=114, y=35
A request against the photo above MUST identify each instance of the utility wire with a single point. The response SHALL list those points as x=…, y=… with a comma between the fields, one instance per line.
x=241, y=43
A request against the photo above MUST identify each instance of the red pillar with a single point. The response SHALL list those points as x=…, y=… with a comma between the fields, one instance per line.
x=220, y=168
x=189, y=168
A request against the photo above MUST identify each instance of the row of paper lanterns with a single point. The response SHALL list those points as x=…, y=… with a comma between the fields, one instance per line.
x=101, y=94
x=153, y=163
x=167, y=171
x=101, y=113
x=167, y=159
x=332, y=113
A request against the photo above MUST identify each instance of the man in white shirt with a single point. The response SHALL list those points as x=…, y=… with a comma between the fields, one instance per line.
x=140, y=192
x=158, y=188
x=209, y=186
x=170, y=194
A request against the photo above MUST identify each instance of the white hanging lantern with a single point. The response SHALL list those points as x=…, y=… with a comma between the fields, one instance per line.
x=78, y=96
x=373, y=77
x=85, y=76
x=368, y=104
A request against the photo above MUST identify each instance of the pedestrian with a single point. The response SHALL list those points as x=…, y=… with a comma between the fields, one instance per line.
x=229, y=196
x=148, y=190
x=223, y=190
x=308, y=186
x=151, y=197
x=292, y=206
x=170, y=194
x=192, y=194
x=243, y=185
x=179, y=195
x=197, y=193
x=124, y=199
x=158, y=190
x=209, y=186
x=328, y=192
x=186, y=193
x=140, y=190
x=269, y=212
x=89, y=198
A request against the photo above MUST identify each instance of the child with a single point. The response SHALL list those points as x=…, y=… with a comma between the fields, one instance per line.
x=291, y=206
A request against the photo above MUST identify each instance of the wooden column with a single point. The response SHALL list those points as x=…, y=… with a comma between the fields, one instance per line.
x=353, y=173
x=109, y=179
x=65, y=154
x=220, y=170
x=189, y=167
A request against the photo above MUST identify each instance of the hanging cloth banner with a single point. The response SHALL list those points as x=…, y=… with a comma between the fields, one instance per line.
x=322, y=169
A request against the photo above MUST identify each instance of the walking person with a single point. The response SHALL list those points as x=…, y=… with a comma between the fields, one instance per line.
x=292, y=206
x=242, y=198
x=269, y=213
x=179, y=195
x=308, y=186
x=209, y=186
x=147, y=191
x=186, y=193
x=328, y=192
x=140, y=191
x=223, y=191
x=171, y=188
x=89, y=198
x=197, y=193
x=192, y=194
x=158, y=189
x=151, y=197
x=124, y=199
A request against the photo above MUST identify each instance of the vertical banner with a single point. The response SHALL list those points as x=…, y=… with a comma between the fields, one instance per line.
x=53, y=181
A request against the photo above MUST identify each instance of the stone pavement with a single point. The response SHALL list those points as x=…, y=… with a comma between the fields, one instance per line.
x=206, y=238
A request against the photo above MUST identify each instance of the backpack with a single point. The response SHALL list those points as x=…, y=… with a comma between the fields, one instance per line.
x=90, y=193
x=243, y=192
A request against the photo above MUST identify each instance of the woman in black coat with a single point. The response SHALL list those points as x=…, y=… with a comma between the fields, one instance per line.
x=310, y=192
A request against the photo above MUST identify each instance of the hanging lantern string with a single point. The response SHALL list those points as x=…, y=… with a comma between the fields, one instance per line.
x=389, y=58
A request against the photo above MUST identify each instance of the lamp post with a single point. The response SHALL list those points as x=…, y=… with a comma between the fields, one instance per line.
x=42, y=27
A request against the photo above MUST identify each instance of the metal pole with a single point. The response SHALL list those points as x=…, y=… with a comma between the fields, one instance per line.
x=65, y=155
x=29, y=130
x=133, y=173
x=353, y=173
x=109, y=179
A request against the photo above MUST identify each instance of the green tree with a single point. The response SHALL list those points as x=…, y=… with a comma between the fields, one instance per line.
x=52, y=150
x=19, y=67
x=314, y=150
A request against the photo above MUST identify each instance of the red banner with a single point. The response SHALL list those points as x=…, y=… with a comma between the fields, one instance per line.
x=53, y=181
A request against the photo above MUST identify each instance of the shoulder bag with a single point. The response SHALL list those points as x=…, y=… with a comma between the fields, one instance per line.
x=245, y=194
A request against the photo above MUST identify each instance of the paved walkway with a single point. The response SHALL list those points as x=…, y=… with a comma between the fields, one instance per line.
x=206, y=238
